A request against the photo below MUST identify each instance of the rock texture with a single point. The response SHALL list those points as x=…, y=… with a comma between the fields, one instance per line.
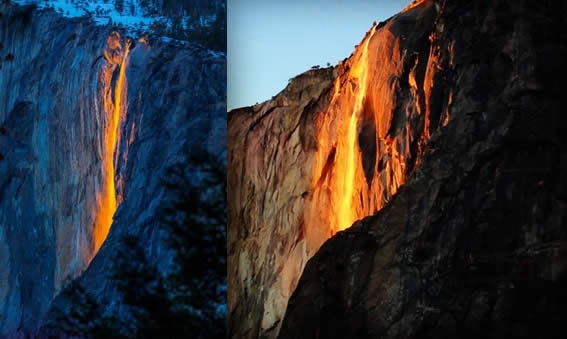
x=474, y=244
x=458, y=165
x=57, y=78
x=332, y=148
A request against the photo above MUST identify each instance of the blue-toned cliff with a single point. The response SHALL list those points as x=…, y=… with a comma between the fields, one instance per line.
x=60, y=79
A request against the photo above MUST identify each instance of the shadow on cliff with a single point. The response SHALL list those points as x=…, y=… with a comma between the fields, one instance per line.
x=189, y=300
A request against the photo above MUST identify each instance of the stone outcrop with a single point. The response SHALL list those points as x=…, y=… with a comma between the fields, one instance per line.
x=454, y=165
x=331, y=148
x=474, y=244
x=55, y=95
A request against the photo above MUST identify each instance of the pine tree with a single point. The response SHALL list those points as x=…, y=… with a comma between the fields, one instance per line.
x=189, y=301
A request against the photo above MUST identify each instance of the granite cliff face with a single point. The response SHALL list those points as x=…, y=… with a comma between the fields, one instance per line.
x=333, y=147
x=443, y=132
x=81, y=108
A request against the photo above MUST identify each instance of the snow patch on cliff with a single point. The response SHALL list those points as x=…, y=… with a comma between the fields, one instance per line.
x=133, y=17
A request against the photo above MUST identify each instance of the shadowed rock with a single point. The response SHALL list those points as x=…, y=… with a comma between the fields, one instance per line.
x=52, y=111
x=474, y=244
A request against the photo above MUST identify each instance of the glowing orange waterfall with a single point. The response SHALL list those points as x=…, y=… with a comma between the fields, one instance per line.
x=346, y=216
x=368, y=134
x=106, y=199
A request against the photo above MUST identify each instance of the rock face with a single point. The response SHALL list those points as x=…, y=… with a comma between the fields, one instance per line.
x=474, y=244
x=57, y=96
x=443, y=133
x=332, y=148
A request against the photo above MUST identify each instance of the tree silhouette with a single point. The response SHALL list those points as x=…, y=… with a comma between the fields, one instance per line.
x=189, y=300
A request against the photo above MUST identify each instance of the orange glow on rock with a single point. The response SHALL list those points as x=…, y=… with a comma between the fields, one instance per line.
x=414, y=4
x=346, y=163
x=106, y=198
x=338, y=176
x=363, y=152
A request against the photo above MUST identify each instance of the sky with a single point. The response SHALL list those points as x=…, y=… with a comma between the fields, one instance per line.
x=271, y=41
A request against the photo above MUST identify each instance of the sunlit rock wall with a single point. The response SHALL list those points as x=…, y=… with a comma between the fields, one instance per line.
x=473, y=245
x=330, y=149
